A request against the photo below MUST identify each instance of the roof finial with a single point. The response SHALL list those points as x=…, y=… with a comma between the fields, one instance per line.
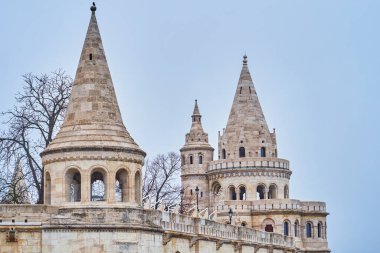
x=93, y=7
x=245, y=61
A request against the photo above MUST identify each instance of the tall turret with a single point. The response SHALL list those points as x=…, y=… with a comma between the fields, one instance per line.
x=93, y=159
x=196, y=154
x=246, y=133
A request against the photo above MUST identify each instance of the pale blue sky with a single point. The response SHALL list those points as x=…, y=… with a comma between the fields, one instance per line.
x=315, y=66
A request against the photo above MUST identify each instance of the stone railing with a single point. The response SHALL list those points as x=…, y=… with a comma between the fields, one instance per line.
x=177, y=223
x=272, y=204
x=249, y=163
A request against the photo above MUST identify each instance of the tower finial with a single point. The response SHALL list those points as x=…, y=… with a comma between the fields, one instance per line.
x=93, y=7
x=245, y=61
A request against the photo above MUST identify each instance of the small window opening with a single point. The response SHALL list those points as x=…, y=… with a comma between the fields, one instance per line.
x=191, y=159
x=262, y=152
x=223, y=154
x=249, y=90
x=241, y=152
x=308, y=230
x=200, y=159
x=13, y=220
x=191, y=192
x=232, y=193
x=286, y=228
x=90, y=57
x=242, y=193
x=26, y=220
x=269, y=228
x=260, y=190
x=241, y=88
x=201, y=194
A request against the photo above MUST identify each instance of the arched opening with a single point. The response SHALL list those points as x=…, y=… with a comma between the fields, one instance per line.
x=243, y=224
x=223, y=154
x=262, y=152
x=98, y=186
x=296, y=228
x=191, y=159
x=47, y=188
x=269, y=228
x=232, y=193
x=200, y=159
x=272, y=193
x=286, y=192
x=260, y=192
x=286, y=228
x=241, y=152
x=138, y=187
x=216, y=188
x=320, y=229
x=242, y=193
x=121, y=186
x=73, y=185
x=309, y=228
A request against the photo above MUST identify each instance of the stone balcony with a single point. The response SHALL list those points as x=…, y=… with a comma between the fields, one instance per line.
x=249, y=163
x=272, y=205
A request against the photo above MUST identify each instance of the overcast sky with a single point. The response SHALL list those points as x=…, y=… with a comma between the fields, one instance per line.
x=315, y=65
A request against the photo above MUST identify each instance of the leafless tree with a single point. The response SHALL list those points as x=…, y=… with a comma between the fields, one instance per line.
x=32, y=123
x=161, y=179
x=13, y=187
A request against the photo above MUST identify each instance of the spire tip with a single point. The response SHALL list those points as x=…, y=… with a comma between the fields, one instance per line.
x=93, y=7
x=245, y=61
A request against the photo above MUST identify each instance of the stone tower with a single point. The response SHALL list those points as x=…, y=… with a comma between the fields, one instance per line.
x=93, y=159
x=246, y=133
x=196, y=154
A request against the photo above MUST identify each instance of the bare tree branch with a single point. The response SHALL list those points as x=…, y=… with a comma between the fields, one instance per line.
x=33, y=122
x=161, y=179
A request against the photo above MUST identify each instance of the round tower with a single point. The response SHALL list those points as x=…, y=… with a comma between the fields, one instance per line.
x=196, y=154
x=93, y=160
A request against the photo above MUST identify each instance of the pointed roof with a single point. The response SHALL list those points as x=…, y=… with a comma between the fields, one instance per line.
x=246, y=125
x=196, y=109
x=93, y=117
x=246, y=112
x=196, y=138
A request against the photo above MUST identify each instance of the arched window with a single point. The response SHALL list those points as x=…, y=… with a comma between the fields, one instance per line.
x=309, y=230
x=191, y=159
x=286, y=228
x=296, y=228
x=260, y=190
x=262, y=152
x=98, y=187
x=121, y=186
x=138, y=187
x=272, y=194
x=320, y=229
x=232, y=193
x=223, y=154
x=200, y=159
x=73, y=185
x=286, y=192
x=242, y=193
x=47, y=188
x=241, y=152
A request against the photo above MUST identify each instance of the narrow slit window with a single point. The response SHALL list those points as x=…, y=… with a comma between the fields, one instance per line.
x=90, y=57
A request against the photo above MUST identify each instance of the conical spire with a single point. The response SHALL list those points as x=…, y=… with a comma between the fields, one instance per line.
x=196, y=136
x=246, y=126
x=93, y=117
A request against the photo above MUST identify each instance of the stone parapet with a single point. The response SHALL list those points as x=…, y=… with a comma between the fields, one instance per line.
x=176, y=223
x=249, y=163
x=272, y=205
